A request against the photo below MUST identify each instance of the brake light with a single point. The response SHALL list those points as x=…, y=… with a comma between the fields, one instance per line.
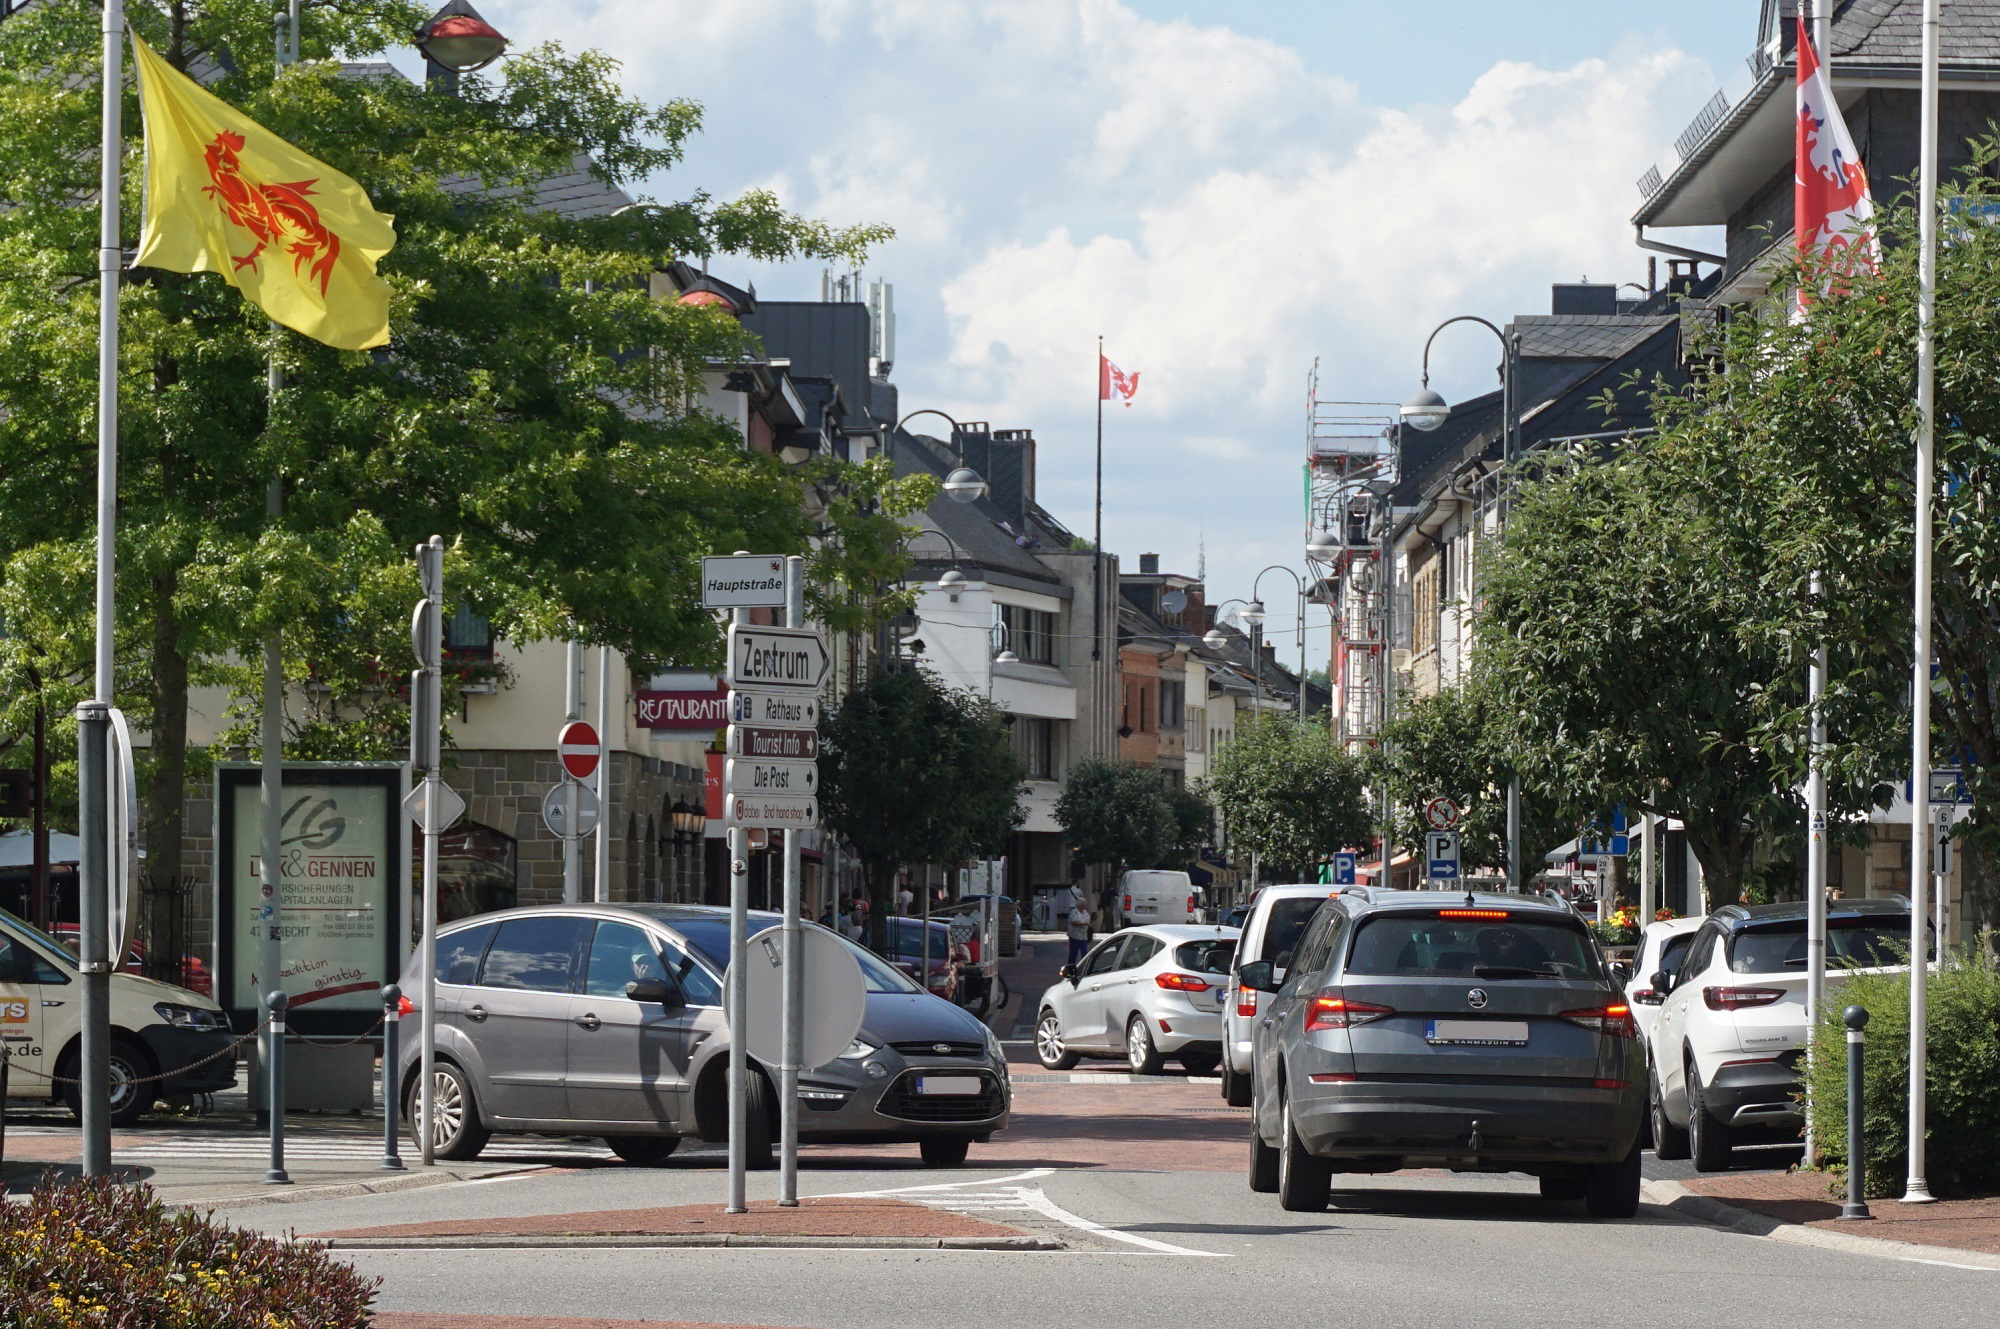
x=1610, y=1084
x=1615, y=1019
x=1181, y=982
x=1648, y=997
x=1128, y=904
x=1246, y=1001
x=1190, y=904
x=1736, y=999
x=1331, y=1010
x=1472, y=913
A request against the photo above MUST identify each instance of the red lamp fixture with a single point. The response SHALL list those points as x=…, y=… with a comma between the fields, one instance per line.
x=458, y=39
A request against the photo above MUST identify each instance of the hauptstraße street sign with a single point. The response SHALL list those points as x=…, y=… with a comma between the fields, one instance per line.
x=743, y=581
x=776, y=658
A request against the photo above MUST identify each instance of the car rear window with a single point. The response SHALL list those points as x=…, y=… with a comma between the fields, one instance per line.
x=458, y=954
x=1206, y=957
x=1428, y=946
x=1286, y=924
x=1672, y=953
x=1774, y=948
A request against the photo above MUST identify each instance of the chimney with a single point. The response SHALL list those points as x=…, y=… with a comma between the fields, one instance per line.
x=1195, y=617
x=1149, y=565
x=1583, y=298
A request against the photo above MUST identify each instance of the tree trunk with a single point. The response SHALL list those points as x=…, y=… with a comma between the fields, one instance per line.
x=1724, y=850
x=166, y=794
x=1977, y=871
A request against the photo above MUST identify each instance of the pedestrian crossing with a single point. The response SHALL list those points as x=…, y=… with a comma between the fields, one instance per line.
x=343, y=1149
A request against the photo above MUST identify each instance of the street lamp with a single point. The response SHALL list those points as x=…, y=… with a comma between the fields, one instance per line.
x=963, y=484
x=1301, y=627
x=1322, y=544
x=456, y=40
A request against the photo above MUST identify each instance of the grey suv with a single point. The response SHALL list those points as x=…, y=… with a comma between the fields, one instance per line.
x=607, y=1020
x=1479, y=1033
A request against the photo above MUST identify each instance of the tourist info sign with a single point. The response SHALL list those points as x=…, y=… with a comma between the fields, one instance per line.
x=776, y=744
x=743, y=775
x=788, y=812
x=776, y=658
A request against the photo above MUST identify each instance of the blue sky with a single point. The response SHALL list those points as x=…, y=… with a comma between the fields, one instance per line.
x=1224, y=191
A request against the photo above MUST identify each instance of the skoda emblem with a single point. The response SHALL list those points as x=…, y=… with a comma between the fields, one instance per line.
x=942, y=1048
x=1476, y=999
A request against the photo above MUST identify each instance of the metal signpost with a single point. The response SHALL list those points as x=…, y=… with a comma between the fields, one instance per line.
x=771, y=780
x=1441, y=855
x=432, y=813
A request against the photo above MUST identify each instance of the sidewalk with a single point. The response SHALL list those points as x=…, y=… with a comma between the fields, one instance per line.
x=1801, y=1207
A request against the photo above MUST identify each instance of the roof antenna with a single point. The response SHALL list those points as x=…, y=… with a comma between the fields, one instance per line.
x=1469, y=901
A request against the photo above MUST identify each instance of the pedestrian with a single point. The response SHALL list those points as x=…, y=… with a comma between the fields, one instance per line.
x=859, y=929
x=904, y=899
x=1079, y=924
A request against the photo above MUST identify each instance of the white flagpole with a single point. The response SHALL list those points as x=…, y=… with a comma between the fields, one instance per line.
x=1916, y=1188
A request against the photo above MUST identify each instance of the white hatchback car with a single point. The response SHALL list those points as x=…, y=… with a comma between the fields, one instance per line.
x=1731, y=1029
x=1144, y=994
x=1278, y=915
x=1661, y=948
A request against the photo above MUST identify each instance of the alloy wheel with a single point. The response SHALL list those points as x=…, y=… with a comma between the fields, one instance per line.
x=447, y=1109
x=1048, y=1039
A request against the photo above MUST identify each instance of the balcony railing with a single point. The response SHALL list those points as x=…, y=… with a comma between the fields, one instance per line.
x=1704, y=123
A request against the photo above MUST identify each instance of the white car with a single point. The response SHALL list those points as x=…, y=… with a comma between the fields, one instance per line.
x=1278, y=915
x=1731, y=1028
x=1144, y=994
x=1157, y=896
x=1661, y=948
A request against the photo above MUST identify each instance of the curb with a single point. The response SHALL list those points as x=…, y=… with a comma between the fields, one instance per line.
x=1706, y=1209
x=345, y=1190
x=737, y=1241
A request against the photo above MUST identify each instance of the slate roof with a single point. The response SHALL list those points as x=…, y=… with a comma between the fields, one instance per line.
x=1890, y=32
x=1583, y=336
x=973, y=527
x=576, y=193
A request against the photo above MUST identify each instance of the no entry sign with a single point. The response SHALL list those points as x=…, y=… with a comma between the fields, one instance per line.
x=577, y=746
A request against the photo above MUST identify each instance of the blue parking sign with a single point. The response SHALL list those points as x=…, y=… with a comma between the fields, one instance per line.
x=1343, y=869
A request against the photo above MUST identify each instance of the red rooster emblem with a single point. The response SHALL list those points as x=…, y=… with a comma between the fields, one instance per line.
x=281, y=215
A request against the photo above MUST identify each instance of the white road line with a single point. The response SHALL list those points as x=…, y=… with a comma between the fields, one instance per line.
x=1049, y=1208
x=1017, y=1198
x=1029, y=1175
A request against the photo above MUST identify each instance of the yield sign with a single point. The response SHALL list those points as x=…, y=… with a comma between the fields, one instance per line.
x=577, y=746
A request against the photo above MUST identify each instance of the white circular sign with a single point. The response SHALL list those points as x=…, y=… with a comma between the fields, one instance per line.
x=556, y=805
x=1441, y=814
x=836, y=996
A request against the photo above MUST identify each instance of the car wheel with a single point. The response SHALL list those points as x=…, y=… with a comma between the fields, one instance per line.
x=1670, y=1142
x=1613, y=1188
x=1263, y=1162
x=1708, y=1139
x=1140, y=1054
x=643, y=1150
x=455, y=1132
x=1564, y=1186
x=944, y=1150
x=1199, y=1063
x=127, y=1066
x=1050, y=1049
x=1304, y=1182
x=1235, y=1087
x=759, y=1134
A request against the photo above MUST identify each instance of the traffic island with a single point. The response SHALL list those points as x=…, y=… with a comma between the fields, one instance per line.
x=830, y=1222
x=1803, y=1207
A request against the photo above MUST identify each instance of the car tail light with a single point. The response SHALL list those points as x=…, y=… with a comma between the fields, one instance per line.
x=1331, y=1077
x=1472, y=913
x=1128, y=904
x=1246, y=1001
x=1181, y=982
x=1648, y=997
x=1751, y=1061
x=1615, y=1019
x=1190, y=904
x=1736, y=999
x=1331, y=1010
x=1610, y=1084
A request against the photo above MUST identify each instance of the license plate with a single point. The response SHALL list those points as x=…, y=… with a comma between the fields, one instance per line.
x=1478, y=1033
x=949, y=1084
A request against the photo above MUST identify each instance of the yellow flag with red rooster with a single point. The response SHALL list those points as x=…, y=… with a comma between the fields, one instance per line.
x=224, y=194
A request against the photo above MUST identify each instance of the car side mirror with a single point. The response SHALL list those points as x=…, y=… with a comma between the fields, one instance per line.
x=655, y=990
x=1258, y=976
x=1661, y=983
x=1068, y=971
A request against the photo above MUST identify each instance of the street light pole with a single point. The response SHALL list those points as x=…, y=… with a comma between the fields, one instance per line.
x=1301, y=628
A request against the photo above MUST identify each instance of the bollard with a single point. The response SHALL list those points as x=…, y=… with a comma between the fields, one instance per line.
x=392, y=1022
x=274, y=1101
x=1856, y=1020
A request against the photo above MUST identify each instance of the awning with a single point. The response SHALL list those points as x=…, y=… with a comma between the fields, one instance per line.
x=17, y=848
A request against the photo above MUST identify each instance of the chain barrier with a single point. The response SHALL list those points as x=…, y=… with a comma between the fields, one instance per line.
x=361, y=1037
x=226, y=1050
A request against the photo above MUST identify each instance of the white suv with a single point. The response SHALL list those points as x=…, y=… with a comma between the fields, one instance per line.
x=1731, y=1030
x=1278, y=915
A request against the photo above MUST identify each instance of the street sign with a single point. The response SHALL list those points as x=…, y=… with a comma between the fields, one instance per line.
x=1441, y=855
x=556, y=805
x=577, y=745
x=747, y=775
x=1343, y=869
x=835, y=996
x=1947, y=786
x=774, y=710
x=789, y=812
x=782, y=744
x=792, y=658
x=1941, y=843
x=123, y=795
x=1441, y=814
x=743, y=581
x=450, y=806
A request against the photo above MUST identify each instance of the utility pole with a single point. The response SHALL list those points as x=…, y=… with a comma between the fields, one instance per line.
x=426, y=755
x=572, y=712
x=601, y=868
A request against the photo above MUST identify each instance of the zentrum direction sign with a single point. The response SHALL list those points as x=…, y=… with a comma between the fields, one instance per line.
x=788, y=658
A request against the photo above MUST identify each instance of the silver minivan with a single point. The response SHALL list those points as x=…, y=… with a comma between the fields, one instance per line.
x=607, y=1020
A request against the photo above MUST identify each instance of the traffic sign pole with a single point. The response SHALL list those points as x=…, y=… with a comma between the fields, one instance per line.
x=427, y=637
x=794, y=975
x=739, y=1054
x=600, y=872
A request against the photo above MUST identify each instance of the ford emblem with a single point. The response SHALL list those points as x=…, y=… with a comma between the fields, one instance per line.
x=1476, y=999
x=943, y=1049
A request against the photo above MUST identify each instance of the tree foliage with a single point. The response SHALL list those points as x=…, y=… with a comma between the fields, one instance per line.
x=1290, y=793
x=1127, y=816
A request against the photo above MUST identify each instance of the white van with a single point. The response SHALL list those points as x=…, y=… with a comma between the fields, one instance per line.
x=1157, y=896
x=1277, y=918
x=157, y=1030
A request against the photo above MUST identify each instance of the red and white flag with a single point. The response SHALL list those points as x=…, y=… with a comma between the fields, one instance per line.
x=1833, y=211
x=1113, y=383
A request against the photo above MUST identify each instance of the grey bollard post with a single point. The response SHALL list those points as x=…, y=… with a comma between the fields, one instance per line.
x=274, y=1101
x=1856, y=1020
x=392, y=1024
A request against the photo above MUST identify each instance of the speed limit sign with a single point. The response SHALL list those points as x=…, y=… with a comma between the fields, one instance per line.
x=1441, y=814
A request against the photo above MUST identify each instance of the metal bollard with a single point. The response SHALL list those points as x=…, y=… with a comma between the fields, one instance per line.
x=1856, y=1020
x=392, y=1023
x=274, y=1101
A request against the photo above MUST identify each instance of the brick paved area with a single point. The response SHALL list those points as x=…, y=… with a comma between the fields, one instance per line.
x=440, y=1320
x=1808, y=1198
x=830, y=1217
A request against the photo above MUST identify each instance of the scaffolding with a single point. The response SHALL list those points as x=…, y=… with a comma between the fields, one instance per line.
x=1351, y=464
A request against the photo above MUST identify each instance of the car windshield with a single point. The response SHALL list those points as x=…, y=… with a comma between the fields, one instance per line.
x=906, y=940
x=1288, y=919
x=1877, y=941
x=57, y=950
x=1210, y=956
x=709, y=937
x=1509, y=946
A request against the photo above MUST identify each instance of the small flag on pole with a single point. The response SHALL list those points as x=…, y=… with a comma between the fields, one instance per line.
x=1113, y=383
x=1833, y=211
x=224, y=194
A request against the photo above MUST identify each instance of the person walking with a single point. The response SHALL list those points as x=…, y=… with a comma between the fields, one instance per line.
x=1079, y=923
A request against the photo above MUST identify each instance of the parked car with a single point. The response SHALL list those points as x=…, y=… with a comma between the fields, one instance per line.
x=1479, y=1033
x=1144, y=994
x=155, y=1028
x=1661, y=947
x=1278, y=915
x=607, y=1020
x=1157, y=897
x=907, y=953
x=1235, y=916
x=1731, y=1027
x=193, y=975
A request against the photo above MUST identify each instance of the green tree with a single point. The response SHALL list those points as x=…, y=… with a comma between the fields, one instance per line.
x=913, y=772
x=1126, y=816
x=513, y=413
x=1290, y=793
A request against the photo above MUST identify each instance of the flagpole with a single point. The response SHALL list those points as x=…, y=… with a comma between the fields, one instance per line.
x=1916, y=1187
x=1816, y=837
x=1097, y=534
x=94, y=716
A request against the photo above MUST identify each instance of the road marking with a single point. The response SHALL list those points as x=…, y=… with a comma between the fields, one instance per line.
x=1042, y=1204
x=982, y=1197
x=1029, y=1175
